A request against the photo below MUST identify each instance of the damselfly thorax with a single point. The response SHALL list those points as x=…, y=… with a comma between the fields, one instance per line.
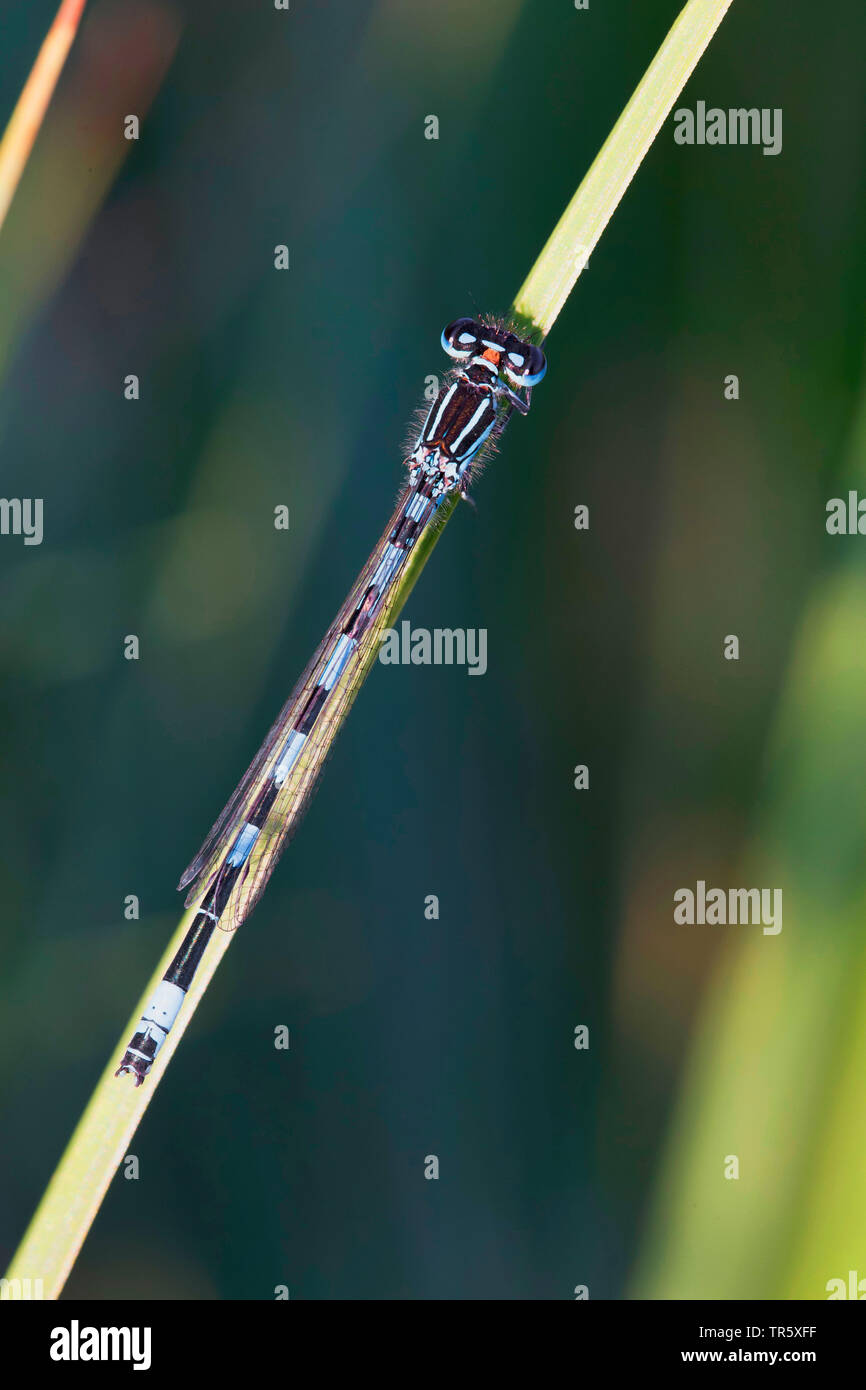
x=476, y=402
x=495, y=375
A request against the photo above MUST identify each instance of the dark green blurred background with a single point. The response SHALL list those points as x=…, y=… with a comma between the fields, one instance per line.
x=454, y=1037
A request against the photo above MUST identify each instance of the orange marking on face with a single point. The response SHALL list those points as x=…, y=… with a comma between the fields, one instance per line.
x=492, y=355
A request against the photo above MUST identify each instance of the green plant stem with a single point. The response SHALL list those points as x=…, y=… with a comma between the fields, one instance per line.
x=552, y=278
x=73, y=1197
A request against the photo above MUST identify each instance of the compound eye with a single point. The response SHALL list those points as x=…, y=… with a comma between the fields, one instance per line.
x=524, y=364
x=460, y=338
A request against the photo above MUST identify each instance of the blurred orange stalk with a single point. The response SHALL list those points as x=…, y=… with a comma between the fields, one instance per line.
x=38, y=90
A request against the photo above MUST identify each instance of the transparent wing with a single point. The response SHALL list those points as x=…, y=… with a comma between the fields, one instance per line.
x=234, y=812
x=288, y=809
x=200, y=873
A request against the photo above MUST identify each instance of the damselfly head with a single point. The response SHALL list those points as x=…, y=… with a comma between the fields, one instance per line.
x=521, y=362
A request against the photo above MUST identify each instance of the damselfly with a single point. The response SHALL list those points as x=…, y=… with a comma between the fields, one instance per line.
x=495, y=375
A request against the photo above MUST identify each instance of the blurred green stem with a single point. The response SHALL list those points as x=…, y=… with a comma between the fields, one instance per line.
x=26, y=120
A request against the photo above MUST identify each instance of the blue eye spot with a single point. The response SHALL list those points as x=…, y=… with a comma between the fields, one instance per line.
x=460, y=337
